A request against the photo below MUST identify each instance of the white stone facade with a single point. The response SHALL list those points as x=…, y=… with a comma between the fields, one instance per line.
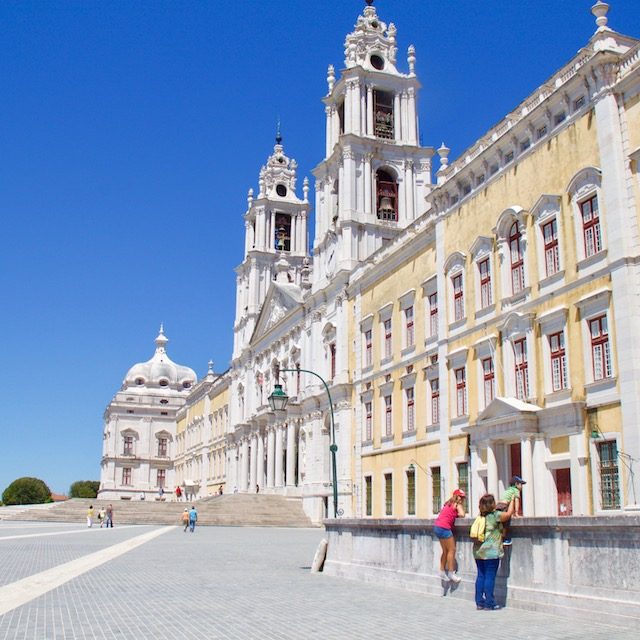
x=140, y=428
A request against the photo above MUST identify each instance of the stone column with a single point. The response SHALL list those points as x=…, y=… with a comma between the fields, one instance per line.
x=260, y=462
x=492, y=471
x=370, y=129
x=291, y=454
x=244, y=465
x=278, y=480
x=271, y=441
x=408, y=190
x=526, y=458
x=253, y=467
x=368, y=195
x=476, y=481
x=329, y=130
x=579, y=475
x=397, y=128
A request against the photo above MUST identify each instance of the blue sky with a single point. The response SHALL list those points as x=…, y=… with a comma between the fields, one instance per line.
x=130, y=132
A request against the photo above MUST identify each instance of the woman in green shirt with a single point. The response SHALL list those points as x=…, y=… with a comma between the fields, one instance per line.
x=487, y=553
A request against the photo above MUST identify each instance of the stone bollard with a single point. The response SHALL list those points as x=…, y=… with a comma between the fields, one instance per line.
x=319, y=558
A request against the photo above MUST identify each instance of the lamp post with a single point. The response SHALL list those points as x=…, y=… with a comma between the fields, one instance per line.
x=278, y=401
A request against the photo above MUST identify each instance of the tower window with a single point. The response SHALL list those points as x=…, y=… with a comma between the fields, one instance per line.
x=282, y=239
x=386, y=196
x=377, y=62
x=383, y=114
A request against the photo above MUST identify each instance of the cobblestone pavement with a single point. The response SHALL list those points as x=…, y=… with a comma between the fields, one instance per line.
x=227, y=583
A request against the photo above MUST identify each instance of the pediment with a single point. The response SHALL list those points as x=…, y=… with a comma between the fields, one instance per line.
x=507, y=408
x=281, y=300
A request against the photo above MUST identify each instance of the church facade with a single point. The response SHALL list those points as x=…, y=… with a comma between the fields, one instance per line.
x=471, y=320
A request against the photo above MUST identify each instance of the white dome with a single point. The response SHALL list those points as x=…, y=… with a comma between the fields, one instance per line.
x=160, y=370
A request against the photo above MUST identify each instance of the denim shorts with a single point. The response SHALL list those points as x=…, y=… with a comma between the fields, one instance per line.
x=443, y=533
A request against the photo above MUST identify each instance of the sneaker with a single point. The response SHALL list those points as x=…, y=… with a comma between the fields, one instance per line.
x=495, y=607
x=507, y=542
x=480, y=607
x=454, y=577
x=443, y=575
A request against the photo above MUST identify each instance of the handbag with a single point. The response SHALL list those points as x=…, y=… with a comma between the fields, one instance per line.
x=478, y=528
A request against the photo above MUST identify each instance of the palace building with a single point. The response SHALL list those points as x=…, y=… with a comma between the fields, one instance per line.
x=472, y=319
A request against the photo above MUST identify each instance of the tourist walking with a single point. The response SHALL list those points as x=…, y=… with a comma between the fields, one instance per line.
x=443, y=528
x=90, y=516
x=185, y=519
x=102, y=514
x=178, y=493
x=488, y=551
x=193, y=518
x=108, y=521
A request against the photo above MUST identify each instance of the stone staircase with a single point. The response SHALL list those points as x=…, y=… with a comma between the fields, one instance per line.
x=236, y=510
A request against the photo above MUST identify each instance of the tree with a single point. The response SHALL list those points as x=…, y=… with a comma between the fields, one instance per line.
x=84, y=489
x=26, y=491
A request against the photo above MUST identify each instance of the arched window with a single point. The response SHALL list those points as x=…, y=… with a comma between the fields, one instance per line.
x=282, y=238
x=386, y=196
x=517, y=260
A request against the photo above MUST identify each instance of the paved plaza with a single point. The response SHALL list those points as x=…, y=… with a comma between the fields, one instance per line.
x=132, y=582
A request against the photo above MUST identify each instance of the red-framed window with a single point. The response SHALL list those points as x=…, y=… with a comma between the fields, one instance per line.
x=126, y=476
x=368, y=348
x=368, y=420
x=458, y=297
x=551, y=253
x=461, y=391
x=435, y=400
x=409, y=327
x=489, y=380
x=433, y=314
x=162, y=447
x=388, y=422
x=517, y=258
x=600, y=349
x=484, y=270
x=388, y=345
x=591, y=226
x=128, y=446
x=558, y=361
x=411, y=409
x=161, y=478
x=521, y=368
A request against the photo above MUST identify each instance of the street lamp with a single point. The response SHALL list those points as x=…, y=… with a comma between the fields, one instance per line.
x=278, y=401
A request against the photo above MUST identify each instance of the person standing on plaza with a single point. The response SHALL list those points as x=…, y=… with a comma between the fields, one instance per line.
x=108, y=521
x=511, y=494
x=443, y=528
x=487, y=553
x=185, y=519
x=90, y=516
x=178, y=493
x=102, y=514
x=193, y=518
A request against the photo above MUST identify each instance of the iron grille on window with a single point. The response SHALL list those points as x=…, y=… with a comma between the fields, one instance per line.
x=463, y=476
x=609, y=478
x=383, y=114
x=368, y=495
x=411, y=492
x=436, y=487
x=388, y=494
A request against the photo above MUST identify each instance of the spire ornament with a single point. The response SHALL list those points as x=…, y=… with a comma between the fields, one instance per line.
x=600, y=10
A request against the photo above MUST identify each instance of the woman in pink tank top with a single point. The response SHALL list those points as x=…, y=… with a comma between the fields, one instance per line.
x=443, y=528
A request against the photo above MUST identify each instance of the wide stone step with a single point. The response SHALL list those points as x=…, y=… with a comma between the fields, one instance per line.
x=231, y=510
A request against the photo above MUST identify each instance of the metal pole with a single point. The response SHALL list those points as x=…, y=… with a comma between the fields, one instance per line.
x=333, y=447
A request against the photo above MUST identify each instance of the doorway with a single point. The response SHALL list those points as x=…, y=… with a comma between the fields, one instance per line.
x=563, y=486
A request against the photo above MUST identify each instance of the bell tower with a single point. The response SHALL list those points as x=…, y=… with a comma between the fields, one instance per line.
x=275, y=232
x=375, y=175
